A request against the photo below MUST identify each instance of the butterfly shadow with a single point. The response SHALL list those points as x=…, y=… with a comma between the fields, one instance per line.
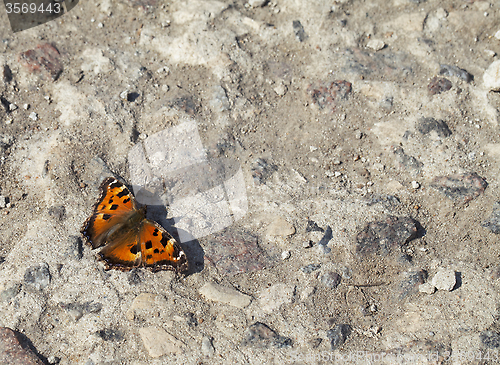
x=193, y=249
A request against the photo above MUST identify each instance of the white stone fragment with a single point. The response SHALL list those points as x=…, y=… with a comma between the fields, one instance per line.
x=445, y=279
x=426, y=288
x=491, y=77
x=224, y=294
x=375, y=44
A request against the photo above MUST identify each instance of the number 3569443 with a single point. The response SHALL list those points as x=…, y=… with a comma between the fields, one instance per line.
x=24, y=8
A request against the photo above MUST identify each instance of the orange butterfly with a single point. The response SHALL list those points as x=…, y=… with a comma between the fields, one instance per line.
x=129, y=239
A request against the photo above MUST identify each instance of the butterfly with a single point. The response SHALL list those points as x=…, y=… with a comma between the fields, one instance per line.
x=129, y=239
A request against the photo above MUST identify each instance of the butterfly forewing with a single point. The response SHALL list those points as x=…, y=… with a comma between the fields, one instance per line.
x=114, y=207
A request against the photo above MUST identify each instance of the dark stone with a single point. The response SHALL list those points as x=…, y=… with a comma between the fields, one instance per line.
x=7, y=74
x=299, y=30
x=323, y=242
x=338, y=335
x=7, y=294
x=191, y=319
x=58, y=212
x=109, y=334
x=261, y=336
x=331, y=279
x=37, y=277
x=330, y=94
x=388, y=201
x=449, y=70
x=16, y=349
x=438, y=85
x=75, y=249
x=490, y=339
x=44, y=58
x=313, y=227
x=406, y=161
x=310, y=268
x=410, y=282
x=261, y=170
x=426, y=125
x=77, y=310
x=384, y=236
x=460, y=187
x=493, y=222
x=385, y=65
x=133, y=277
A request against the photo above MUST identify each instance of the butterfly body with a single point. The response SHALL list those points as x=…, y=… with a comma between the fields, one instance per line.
x=130, y=239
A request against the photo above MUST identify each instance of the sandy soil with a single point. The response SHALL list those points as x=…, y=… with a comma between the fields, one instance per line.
x=352, y=197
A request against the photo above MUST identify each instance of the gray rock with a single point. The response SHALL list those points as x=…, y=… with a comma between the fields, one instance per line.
x=338, y=335
x=259, y=335
x=310, y=268
x=299, y=30
x=331, y=279
x=426, y=125
x=450, y=70
x=493, y=222
x=460, y=187
x=490, y=339
x=207, y=347
x=37, y=277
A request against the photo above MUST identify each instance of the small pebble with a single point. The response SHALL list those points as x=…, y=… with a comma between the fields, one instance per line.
x=3, y=201
x=124, y=95
x=497, y=35
x=34, y=116
x=331, y=280
x=445, y=279
x=426, y=288
x=285, y=255
x=415, y=184
x=12, y=107
x=207, y=348
x=375, y=44
x=26, y=106
x=307, y=244
x=257, y=3
x=37, y=277
x=310, y=268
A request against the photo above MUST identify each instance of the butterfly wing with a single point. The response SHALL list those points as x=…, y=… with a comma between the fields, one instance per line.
x=160, y=251
x=122, y=250
x=113, y=208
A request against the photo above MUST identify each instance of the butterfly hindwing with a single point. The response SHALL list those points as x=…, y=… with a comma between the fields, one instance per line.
x=160, y=250
x=122, y=250
x=113, y=208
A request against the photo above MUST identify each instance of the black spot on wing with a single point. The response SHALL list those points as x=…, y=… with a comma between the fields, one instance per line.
x=110, y=201
x=123, y=193
x=149, y=257
x=106, y=216
x=116, y=185
x=125, y=201
x=134, y=250
x=164, y=241
x=155, y=232
x=113, y=207
x=149, y=245
x=156, y=250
